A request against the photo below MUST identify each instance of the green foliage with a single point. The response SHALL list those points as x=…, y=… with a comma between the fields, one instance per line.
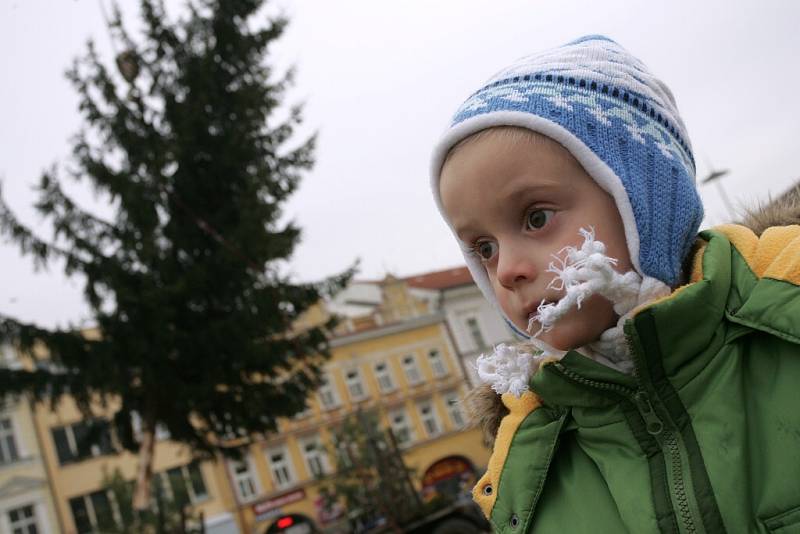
x=371, y=478
x=166, y=515
x=187, y=282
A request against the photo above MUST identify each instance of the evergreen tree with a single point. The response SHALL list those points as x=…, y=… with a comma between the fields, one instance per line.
x=191, y=143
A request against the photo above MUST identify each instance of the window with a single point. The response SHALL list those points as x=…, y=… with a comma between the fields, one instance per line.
x=454, y=408
x=315, y=456
x=123, y=494
x=429, y=420
x=82, y=440
x=384, y=376
x=401, y=427
x=162, y=432
x=354, y=385
x=475, y=333
x=328, y=397
x=343, y=454
x=196, y=482
x=282, y=472
x=80, y=514
x=23, y=520
x=8, y=357
x=437, y=363
x=411, y=369
x=244, y=478
x=174, y=487
x=6, y=354
x=8, y=444
x=185, y=484
x=94, y=512
x=103, y=510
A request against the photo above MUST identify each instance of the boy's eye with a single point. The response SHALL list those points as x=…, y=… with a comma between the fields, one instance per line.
x=537, y=219
x=485, y=249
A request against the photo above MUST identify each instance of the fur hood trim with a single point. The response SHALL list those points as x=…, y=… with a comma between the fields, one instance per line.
x=782, y=211
x=486, y=411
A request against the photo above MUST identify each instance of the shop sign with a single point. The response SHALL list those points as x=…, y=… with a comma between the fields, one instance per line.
x=276, y=502
x=444, y=469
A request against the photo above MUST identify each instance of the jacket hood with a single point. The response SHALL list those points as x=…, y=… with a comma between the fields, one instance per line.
x=487, y=407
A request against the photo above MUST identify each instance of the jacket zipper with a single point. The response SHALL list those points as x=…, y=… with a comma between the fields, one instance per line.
x=667, y=439
x=677, y=472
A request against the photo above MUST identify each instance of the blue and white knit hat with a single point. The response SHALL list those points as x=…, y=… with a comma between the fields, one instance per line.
x=622, y=125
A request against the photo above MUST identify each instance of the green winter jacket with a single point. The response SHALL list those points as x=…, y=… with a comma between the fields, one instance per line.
x=703, y=438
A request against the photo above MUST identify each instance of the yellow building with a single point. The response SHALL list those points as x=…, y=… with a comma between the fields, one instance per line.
x=395, y=358
x=26, y=504
x=79, y=473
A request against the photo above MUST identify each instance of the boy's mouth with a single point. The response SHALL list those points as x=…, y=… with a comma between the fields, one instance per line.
x=533, y=310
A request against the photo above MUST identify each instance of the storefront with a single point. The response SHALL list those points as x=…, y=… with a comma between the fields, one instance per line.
x=449, y=478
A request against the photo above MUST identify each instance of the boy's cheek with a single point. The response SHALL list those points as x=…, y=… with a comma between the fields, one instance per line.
x=567, y=334
x=581, y=326
x=510, y=311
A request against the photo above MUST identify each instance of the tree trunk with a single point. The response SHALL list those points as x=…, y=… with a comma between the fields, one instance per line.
x=144, y=475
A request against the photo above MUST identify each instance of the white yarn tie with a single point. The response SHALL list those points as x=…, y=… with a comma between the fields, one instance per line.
x=508, y=368
x=581, y=273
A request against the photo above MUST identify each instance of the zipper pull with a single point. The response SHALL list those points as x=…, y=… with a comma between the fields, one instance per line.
x=653, y=424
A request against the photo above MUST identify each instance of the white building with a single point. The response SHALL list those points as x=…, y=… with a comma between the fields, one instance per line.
x=474, y=324
x=26, y=504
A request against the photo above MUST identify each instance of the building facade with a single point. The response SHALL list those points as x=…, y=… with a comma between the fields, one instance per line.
x=393, y=356
x=399, y=353
x=474, y=324
x=80, y=474
x=26, y=502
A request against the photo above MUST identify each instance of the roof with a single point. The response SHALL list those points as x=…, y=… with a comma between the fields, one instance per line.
x=386, y=329
x=445, y=279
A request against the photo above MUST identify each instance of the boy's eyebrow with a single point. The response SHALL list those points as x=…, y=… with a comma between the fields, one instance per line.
x=512, y=194
x=517, y=192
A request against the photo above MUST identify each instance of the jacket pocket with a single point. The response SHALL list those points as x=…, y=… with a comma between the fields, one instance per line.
x=787, y=522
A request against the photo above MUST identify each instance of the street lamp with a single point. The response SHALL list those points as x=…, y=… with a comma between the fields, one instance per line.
x=716, y=176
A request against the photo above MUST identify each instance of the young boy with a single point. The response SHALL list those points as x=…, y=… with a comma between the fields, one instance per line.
x=657, y=390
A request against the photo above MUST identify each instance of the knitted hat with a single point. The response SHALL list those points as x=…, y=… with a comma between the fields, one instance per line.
x=622, y=125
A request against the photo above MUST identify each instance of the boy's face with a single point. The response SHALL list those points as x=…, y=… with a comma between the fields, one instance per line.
x=517, y=202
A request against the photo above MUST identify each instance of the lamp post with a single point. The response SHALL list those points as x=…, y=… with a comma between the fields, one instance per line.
x=715, y=177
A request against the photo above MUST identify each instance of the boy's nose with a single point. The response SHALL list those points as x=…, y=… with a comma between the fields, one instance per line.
x=515, y=269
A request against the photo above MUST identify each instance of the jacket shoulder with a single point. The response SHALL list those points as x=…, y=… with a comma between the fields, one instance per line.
x=517, y=409
x=775, y=254
x=765, y=277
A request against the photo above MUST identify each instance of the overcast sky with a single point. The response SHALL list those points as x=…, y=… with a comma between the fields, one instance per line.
x=380, y=81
